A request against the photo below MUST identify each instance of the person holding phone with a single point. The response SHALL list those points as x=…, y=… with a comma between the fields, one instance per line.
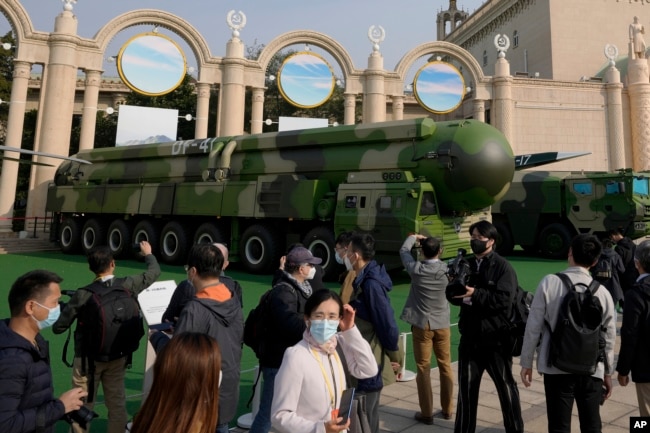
x=310, y=384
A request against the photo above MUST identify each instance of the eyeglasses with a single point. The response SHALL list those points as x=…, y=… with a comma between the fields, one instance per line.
x=340, y=248
x=323, y=316
x=311, y=265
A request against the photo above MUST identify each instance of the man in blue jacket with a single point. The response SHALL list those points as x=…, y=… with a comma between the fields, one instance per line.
x=27, y=402
x=374, y=318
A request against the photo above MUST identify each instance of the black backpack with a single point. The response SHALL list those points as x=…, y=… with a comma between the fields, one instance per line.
x=257, y=322
x=519, y=318
x=110, y=322
x=602, y=270
x=577, y=342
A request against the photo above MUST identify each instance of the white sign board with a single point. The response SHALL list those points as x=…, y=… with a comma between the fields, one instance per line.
x=144, y=125
x=293, y=123
x=155, y=299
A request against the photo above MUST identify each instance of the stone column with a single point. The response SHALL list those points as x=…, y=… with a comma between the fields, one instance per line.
x=479, y=110
x=615, y=136
x=202, y=109
x=9, y=175
x=257, y=110
x=89, y=117
x=374, y=97
x=233, y=90
x=350, y=106
x=639, y=90
x=503, y=110
x=398, y=107
x=57, y=108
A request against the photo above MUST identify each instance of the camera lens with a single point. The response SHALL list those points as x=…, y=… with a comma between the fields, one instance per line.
x=82, y=416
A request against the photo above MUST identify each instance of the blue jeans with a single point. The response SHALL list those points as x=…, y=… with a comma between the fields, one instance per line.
x=262, y=421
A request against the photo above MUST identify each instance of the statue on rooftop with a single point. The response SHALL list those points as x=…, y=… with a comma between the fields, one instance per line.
x=636, y=39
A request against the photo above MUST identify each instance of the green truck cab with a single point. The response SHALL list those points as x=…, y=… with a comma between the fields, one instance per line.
x=543, y=210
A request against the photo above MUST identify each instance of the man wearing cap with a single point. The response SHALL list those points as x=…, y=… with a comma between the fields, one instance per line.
x=286, y=324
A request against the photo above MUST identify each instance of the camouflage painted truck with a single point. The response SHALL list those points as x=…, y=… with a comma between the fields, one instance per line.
x=260, y=193
x=543, y=210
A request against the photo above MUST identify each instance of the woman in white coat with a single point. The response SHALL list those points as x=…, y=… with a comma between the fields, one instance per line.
x=311, y=379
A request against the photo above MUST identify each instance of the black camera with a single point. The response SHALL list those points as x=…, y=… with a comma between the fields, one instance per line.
x=136, y=247
x=458, y=274
x=81, y=416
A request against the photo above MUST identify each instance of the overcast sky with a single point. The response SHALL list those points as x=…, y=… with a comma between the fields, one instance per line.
x=407, y=22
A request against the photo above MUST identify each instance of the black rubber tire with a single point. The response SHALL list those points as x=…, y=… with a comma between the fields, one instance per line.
x=149, y=231
x=320, y=241
x=208, y=232
x=174, y=243
x=554, y=241
x=93, y=235
x=70, y=236
x=505, y=243
x=118, y=238
x=259, y=250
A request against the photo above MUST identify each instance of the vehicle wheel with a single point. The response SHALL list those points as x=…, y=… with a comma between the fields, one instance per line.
x=174, y=243
x=320, y=241
x=92, y=235
x=554, y=241
x=118, y=238
x=259, y=250
x=147, y=230
x=207, y=232
x=70, y=236
x=505, y=244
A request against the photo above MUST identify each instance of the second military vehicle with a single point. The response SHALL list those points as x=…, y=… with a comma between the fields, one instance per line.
x=260, y=193
x=543, y=210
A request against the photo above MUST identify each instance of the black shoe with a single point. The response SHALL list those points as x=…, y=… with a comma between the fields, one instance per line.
x=423, y=419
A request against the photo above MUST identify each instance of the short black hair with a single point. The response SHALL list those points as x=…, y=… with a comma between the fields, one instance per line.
x=32, y=285
x=99, y=259
x=364, y=244
x=206, y=259
x=430, y=247
x=585, y=249
x=485, y=229
x=320, y=296
x=642, y=255
x=343, y=238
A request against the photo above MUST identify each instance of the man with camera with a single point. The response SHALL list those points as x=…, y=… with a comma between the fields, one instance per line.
x=485, y=300
x=91, y=368
x=27, y=402
x=427, y=311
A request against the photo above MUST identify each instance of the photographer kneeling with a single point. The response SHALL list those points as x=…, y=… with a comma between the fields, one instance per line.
x=484, y=306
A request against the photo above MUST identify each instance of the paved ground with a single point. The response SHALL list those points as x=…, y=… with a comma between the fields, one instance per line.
x=400, y=401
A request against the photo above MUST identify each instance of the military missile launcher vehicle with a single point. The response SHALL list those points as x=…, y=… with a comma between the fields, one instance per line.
x=543, y=210
x=260, y=193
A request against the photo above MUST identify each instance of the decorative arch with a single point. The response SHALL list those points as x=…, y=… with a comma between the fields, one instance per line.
x=18, y=19
x=309, y=37
x=441, y=47
x=158, y=18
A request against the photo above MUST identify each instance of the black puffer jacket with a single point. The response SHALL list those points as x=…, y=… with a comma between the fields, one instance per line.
x=27, y=402
x=635, y=333
x=286, y=320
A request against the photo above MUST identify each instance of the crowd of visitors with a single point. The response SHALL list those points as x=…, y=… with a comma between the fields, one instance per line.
x=317, y=343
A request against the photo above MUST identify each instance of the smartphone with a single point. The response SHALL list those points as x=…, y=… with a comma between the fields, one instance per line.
x=346, y=405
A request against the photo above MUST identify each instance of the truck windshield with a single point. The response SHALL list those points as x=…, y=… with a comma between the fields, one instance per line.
x=640, y=185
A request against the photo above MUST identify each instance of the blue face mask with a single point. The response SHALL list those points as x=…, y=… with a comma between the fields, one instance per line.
x=323, y=330
x=338, y=259
x=52, y=316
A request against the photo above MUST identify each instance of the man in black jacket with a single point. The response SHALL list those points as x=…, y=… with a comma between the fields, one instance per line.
x=286, y=324
x=625, y=247
x=634, y=354
x=485, y=343
x=27, y=402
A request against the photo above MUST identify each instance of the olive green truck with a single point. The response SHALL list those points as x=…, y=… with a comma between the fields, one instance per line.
x=543, y=210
